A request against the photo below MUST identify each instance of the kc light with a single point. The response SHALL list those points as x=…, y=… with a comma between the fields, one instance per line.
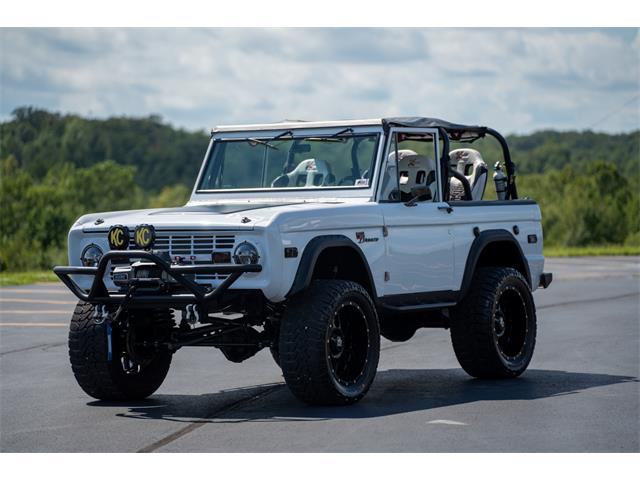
x=91, y=255
x=246, y=254
x=144, y=236
x=118, y=237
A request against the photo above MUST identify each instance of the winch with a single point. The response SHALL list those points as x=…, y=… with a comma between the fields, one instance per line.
x=145, y=274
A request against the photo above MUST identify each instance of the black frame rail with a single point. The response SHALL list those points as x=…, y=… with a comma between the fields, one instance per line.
x=99, y=294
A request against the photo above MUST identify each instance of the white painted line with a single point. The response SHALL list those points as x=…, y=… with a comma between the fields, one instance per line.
x=4, y=324
x=35, y=312
x=446, y=422
x=31, y=300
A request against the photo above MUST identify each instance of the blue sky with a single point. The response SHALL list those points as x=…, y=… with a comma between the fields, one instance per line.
x=516, y=80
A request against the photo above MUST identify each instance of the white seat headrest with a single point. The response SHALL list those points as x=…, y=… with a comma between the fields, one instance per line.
x=465, y=156
x=469, y=163
x=414, y=170
x=309, y=173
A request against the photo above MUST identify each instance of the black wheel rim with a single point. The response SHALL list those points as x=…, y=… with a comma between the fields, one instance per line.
x=348, y=344
x=133, y=359
x=510, y=323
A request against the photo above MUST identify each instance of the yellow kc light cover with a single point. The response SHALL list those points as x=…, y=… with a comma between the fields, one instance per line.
x=144, y=236
x=118, y=237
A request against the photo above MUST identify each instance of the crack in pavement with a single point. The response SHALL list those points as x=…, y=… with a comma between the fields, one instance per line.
x=33, y=347
x=196, y=424
x=199, y=423
x=588, y=300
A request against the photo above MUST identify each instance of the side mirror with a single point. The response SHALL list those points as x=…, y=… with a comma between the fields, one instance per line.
x=418, y=193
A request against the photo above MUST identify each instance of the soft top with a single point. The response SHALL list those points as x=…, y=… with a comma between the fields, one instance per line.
x=455, y=131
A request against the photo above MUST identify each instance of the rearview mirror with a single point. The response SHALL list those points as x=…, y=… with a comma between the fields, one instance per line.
x=301, y=148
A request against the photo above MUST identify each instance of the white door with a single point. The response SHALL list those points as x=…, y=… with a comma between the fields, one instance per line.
x=419, y=243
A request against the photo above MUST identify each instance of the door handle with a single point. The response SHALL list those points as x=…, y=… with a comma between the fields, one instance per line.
x=446, y=208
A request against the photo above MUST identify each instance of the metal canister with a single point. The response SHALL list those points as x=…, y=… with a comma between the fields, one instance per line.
x=500, y=180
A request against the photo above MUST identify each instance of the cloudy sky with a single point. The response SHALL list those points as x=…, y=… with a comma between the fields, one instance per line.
x=517, y=80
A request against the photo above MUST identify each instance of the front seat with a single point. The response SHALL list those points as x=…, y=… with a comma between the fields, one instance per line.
x=311, y=172
x=469, y=163
x=414, y=170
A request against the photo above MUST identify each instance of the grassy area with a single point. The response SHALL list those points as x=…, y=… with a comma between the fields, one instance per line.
x=24, y=278
x=592, y=251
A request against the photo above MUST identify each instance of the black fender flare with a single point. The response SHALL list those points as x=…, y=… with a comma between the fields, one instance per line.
x=484, y=239
x=310, y=255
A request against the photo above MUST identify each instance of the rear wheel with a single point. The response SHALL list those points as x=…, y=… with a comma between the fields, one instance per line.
x=493, y=330
x=330, y=343
x=100, y=362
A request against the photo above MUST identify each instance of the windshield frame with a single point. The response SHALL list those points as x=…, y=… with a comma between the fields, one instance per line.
x=268, y=135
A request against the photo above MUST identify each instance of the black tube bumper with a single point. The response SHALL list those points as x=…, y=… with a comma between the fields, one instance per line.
x=199, y=294
x=545, y=280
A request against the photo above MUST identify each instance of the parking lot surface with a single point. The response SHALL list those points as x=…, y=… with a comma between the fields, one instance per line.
x=580, y=393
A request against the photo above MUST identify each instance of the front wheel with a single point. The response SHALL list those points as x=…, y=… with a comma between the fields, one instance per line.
x=493, y=329
x=101, y=366
x=330, y=343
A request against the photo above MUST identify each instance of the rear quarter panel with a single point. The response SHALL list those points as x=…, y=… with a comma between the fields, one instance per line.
x=526, y=217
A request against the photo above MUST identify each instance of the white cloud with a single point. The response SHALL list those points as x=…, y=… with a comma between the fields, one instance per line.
x=516, y=80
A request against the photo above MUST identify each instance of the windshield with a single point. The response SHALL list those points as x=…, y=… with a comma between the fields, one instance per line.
x=341, y=160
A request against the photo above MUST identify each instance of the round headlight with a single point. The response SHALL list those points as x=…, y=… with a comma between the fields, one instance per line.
x=91, y=255
x=246, y=254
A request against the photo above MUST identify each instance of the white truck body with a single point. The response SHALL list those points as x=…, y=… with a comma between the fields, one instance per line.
x=314, y=256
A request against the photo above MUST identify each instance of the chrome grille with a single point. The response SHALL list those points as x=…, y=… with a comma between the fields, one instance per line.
x=193, y=244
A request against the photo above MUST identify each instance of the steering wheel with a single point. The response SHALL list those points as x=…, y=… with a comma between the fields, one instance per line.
x=465, y=183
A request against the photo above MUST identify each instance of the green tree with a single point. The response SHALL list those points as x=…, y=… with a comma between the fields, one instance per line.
x=171, y=196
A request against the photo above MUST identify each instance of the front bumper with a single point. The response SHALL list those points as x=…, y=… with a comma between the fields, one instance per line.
x=147, y=291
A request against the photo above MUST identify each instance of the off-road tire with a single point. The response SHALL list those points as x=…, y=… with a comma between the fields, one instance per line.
x=100, y=377
x=308, y=340
x=477, y=331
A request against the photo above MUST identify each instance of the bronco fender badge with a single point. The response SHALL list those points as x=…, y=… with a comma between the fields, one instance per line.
x=362, y=239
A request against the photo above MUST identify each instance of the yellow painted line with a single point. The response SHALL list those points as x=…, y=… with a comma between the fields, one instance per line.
x=33, y=312
x=30, y=300
x=34, y=290
x=5, y=324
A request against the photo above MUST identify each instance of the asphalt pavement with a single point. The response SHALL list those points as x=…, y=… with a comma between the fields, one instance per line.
x=580, y=393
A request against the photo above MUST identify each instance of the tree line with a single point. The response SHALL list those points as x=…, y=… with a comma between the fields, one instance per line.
x=54, y=168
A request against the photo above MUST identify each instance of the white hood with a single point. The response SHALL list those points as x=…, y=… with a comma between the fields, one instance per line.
x=236, y=217
x=232, y=216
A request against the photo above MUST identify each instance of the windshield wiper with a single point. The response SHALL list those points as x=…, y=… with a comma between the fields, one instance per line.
x=323, y=139
x=283, y=134
x=336, y=137
x=261, y=142
x=342, y=132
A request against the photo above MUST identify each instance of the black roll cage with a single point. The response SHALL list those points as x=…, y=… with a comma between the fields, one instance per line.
x=460, y=133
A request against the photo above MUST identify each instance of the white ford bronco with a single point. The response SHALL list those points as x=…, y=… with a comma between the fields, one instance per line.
x=313, y=239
